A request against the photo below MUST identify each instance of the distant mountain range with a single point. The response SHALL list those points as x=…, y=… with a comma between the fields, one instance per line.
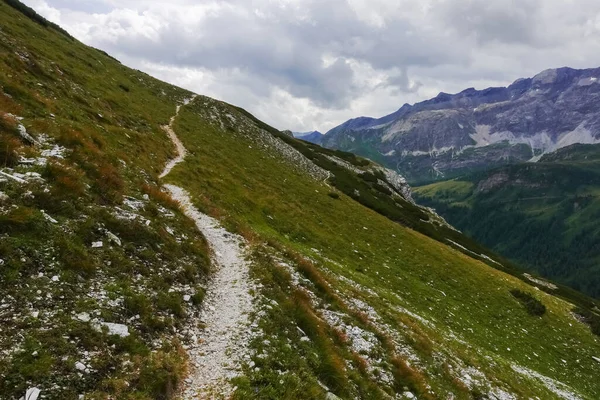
x=479, y=129
x=313, y=136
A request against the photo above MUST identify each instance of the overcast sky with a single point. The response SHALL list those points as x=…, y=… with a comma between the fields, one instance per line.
x=312, y=64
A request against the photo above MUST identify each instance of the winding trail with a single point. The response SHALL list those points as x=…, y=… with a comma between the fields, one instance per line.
x=220, y=337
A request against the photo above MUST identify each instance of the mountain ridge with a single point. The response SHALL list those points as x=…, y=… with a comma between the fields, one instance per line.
x=478, y=129
x=313, y=136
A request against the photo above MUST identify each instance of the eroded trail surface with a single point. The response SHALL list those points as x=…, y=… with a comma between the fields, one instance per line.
x=220, y=338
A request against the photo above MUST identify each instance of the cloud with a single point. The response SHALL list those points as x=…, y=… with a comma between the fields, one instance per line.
x=505, y=21
x=311, y=64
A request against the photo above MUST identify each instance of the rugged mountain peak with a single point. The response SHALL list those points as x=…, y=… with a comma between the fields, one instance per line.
x=546, y=77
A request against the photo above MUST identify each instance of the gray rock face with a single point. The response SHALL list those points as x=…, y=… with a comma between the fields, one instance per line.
x=480, y=129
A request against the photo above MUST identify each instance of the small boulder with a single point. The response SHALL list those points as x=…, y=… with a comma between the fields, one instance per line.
x=113, y=238
x=31, y=394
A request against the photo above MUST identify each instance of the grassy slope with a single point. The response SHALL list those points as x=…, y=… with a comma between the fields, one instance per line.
x=430, y=314
x=544, y=216
x=362, y=255
x=107, y=117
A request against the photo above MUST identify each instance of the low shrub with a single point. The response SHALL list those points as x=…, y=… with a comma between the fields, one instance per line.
x=590, y=318
x=8, y=150
x=161, y=374
x=531, y=304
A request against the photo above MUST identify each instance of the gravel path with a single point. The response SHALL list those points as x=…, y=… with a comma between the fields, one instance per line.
x=220, y=337
x=181, y=152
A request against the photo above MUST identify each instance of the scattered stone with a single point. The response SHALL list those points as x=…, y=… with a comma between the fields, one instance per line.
x=80, y=366
x=331, y=396
x=113, y=328
x=48, y=218
x=16, y=178
x=25, y=135
x=97, y=244
x=55, y=278
x=186, y=297
x=31, y=394
x=113, y=238
x=83, y=317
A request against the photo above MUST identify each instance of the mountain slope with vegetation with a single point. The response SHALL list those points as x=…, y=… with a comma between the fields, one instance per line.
x=542, y=215
x=358, y=292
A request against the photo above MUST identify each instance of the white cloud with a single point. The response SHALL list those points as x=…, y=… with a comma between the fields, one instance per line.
x=312, y=64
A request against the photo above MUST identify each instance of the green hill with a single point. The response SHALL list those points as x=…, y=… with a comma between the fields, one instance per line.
x=542, y=215
x=358, y=293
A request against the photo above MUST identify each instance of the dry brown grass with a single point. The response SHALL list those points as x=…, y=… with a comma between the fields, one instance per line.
x=404, y=375
x=9, y=146
x=332, y=369
x=161, y=197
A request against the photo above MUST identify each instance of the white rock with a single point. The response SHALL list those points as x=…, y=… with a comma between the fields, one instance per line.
x=113, y=329
x=25, y=135
x=32, y=394
x=35, y=314
x=48, y=218
x=113, y=238
x=186, y=297
x=55, y=278
x=13, y=177
x=83, y=317
x=3, y=196
x=97, y=244
x=596, y=359
x=80, y=366
x=409, y=395
x=304, y=339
